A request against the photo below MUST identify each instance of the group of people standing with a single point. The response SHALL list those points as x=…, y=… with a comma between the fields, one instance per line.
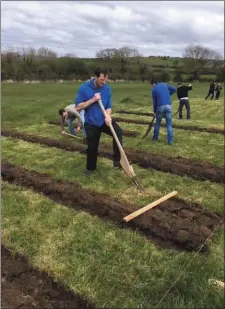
x=214, y=88
x=93, y=122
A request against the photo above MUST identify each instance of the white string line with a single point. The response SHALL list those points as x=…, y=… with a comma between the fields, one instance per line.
x=182, y=272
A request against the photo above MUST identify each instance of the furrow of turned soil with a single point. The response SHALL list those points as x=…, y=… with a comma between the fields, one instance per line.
x=197, y=169
x=26, y=287
x=175, y=221
x=128, y=133
x=177, y=126
x=123, y=111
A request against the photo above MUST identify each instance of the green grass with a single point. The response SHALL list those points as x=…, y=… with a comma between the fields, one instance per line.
x=112, y=267
x=95, y=258
x=70, y=166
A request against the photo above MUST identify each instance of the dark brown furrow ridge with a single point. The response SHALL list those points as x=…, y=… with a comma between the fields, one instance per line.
x=174, y=221
x=24, y=286
x=197, y=169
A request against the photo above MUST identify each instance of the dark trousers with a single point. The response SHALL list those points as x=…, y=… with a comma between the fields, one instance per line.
x=217, y=95
x=210, y=93
x=187, y=105
x=93, y=134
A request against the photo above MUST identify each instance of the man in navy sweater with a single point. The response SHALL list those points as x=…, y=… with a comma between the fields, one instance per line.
x=95, y=123
x=161, y=93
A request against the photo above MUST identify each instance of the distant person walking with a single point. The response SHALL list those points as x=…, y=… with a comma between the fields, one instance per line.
x=218, y=89
x=182, y=94
x=161, y=93
x=211, y=90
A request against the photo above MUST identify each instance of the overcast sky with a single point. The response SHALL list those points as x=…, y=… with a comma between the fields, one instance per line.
x=82, y=28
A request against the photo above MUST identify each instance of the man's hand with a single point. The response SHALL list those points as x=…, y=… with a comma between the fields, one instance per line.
x=63, y=132
x=108, y=119
x=96, y=97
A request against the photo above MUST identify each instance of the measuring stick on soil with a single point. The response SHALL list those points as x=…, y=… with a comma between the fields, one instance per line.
x=73, y=135
x=149, y=206
x=216, y=283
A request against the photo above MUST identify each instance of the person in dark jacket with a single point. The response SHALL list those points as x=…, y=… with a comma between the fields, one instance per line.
x=182, y=94
x=211, y=90
x=161, y=97
x=218, y=89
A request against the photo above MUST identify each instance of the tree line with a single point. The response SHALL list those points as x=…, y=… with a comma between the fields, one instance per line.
x=123, y=63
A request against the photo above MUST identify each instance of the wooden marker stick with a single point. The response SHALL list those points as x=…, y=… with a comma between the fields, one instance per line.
x=149, y=206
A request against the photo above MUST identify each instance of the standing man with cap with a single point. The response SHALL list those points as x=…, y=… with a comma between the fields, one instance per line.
x=182, y=94
x=95, y=122
x=161, y=93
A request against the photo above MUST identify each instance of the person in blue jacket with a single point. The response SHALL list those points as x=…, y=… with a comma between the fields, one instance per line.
x=161, y=93
x=95, y=122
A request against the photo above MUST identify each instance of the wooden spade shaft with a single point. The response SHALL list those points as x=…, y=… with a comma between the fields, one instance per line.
x=149, y=206
x=123, y=161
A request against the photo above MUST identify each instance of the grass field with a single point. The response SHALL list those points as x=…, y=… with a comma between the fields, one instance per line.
x=95, y=258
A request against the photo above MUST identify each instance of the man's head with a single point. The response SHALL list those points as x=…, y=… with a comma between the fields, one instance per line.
x=153, y=82
x=101, y=76
x=63, y=112
x=179, y=84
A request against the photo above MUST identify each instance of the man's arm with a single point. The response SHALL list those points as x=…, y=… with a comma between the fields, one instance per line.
x=62, y=123
x=171, y=89
x=80, y=102
x=108, y=107
x=154, y=101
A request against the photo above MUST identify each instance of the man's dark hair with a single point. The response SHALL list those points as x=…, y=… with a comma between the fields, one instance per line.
x=99, y=71
x=61, y=111
x=153, y=81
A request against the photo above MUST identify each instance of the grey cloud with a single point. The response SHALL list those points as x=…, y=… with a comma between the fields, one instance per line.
x=154, y=27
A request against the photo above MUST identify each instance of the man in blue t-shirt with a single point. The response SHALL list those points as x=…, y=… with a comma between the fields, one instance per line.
x=161, y=93
x=95, y=122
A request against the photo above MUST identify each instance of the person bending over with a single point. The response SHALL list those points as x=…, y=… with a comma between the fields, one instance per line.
x=67, y=116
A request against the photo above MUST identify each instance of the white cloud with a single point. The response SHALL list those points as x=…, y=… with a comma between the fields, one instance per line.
x=83, y=27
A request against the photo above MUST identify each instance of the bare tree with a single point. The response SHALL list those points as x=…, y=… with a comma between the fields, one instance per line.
x=197, y=58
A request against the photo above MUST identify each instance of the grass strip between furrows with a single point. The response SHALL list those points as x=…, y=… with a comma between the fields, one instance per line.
x=28, y=287
x=191, y=145
x=196, y=169
x=66, y=165
x=176, y=126
x=184, y=224
x=127, y=133
x=99, y=261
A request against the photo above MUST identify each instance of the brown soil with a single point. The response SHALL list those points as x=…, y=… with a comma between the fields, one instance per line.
x=184, y=224
x=127, y=133
x=26, y=287
x=196, y=169
x=177, y=126
x=122, y=111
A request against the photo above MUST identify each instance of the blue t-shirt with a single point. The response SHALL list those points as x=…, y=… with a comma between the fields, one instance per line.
x=161, y=95
x=93, y=113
